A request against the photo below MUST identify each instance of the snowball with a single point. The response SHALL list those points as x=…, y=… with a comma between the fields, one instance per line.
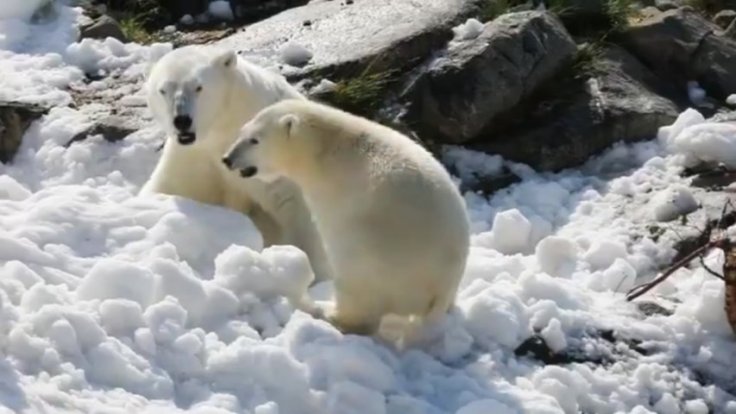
x=731, y=100
x=220, y=10
x=187, y=20
x=695, y=92
x=471, y=29
x=556, y=256
x=324, y=86
x=495, y=316
x=602, y=253
x=170, y=29
x=112, y=278
x=554, y=336
x=295, y=54
x=511, y=232
x=278, y=270
x=673, y=203
x=486, y=407
x=696, y=407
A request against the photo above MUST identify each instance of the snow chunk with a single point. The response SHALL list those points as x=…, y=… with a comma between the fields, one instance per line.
x=557, y=256
x=511, y=232
x=295, y=54
x=673, y=203
x=471, y=29
x=187, y=20
x=220, y=10
x=112, y=278
x=699, y=141
x=731, y=100
x=277, y=271
x=695, y=92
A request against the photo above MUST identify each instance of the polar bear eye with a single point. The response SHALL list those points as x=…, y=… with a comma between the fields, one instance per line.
x=253, y=141
x=162, y=91
x=199, y=89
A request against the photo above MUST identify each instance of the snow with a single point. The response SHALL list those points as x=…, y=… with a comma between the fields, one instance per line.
x=695, y=93
x=696, y=140
x=731, y=99
x=220, y=10
x=111, y=302
x=295, y=54
x=469, y=30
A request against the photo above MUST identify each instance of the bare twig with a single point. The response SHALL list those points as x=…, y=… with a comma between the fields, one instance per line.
x=646, y=287
x=708, y=269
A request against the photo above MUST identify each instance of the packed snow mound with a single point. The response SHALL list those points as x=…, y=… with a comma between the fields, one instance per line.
x=114, y=302
x=697, y=140
x=471, y=29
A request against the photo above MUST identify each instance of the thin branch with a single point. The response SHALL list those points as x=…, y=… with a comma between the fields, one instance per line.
x=708, y=269
x=646, y=287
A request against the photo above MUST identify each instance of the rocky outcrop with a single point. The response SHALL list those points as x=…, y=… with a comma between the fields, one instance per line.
x=345, y=38
x=464, y=91
x=15, y=118
x=102, y=28
x=577, y=118
x=112, y=129
x=683, y=45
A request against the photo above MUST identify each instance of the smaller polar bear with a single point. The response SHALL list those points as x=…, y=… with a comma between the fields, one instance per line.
x=394, y=224
x=201, y=96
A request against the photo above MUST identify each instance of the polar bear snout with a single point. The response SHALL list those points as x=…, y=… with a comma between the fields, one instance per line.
x=245, y=172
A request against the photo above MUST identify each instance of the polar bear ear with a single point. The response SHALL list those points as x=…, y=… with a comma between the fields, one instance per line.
x=289, y=122
x=226, y=59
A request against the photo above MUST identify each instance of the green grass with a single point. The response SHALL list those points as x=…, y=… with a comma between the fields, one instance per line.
x=134, y=30
x=361, y=94
x=619, y=12
x=587, y=58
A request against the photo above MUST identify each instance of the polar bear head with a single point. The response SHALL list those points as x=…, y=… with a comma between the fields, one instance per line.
x=275, y=141
x=188, y=89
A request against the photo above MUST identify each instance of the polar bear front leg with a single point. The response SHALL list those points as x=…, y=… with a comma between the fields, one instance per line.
x=271, y=231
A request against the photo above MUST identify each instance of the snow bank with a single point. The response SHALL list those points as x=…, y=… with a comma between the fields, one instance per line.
x=113, y=302
x=696, y=140
x=471, y=29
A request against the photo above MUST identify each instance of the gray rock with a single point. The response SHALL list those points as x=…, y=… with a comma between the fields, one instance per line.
x=346, y=39
x=724, y=18
x=112, y=129
x=682, y=44
x=463, y=92
x=103, y=27
x=15, y=118
x=577, y=118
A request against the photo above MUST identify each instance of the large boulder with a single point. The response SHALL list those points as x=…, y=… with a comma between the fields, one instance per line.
x=102, y=28
x=343, y=38
x=474, y=82
x=683, y=45
x=580, y=117
x=15, y=118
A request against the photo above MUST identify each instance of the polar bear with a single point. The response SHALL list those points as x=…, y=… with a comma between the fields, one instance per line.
x=201, y=96
x=394, y=225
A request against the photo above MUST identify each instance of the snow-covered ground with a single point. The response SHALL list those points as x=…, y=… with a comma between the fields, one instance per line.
x=111, y=303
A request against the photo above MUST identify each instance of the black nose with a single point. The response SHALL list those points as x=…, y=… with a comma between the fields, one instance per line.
x=228, y=162
x=182, y=122
x=248, y=172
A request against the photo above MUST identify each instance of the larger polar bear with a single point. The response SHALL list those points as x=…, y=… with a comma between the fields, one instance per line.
x=201, y=96
x=394, y=224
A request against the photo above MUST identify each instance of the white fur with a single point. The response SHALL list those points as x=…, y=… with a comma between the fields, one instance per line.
x=232, y=92
x=394, y=225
